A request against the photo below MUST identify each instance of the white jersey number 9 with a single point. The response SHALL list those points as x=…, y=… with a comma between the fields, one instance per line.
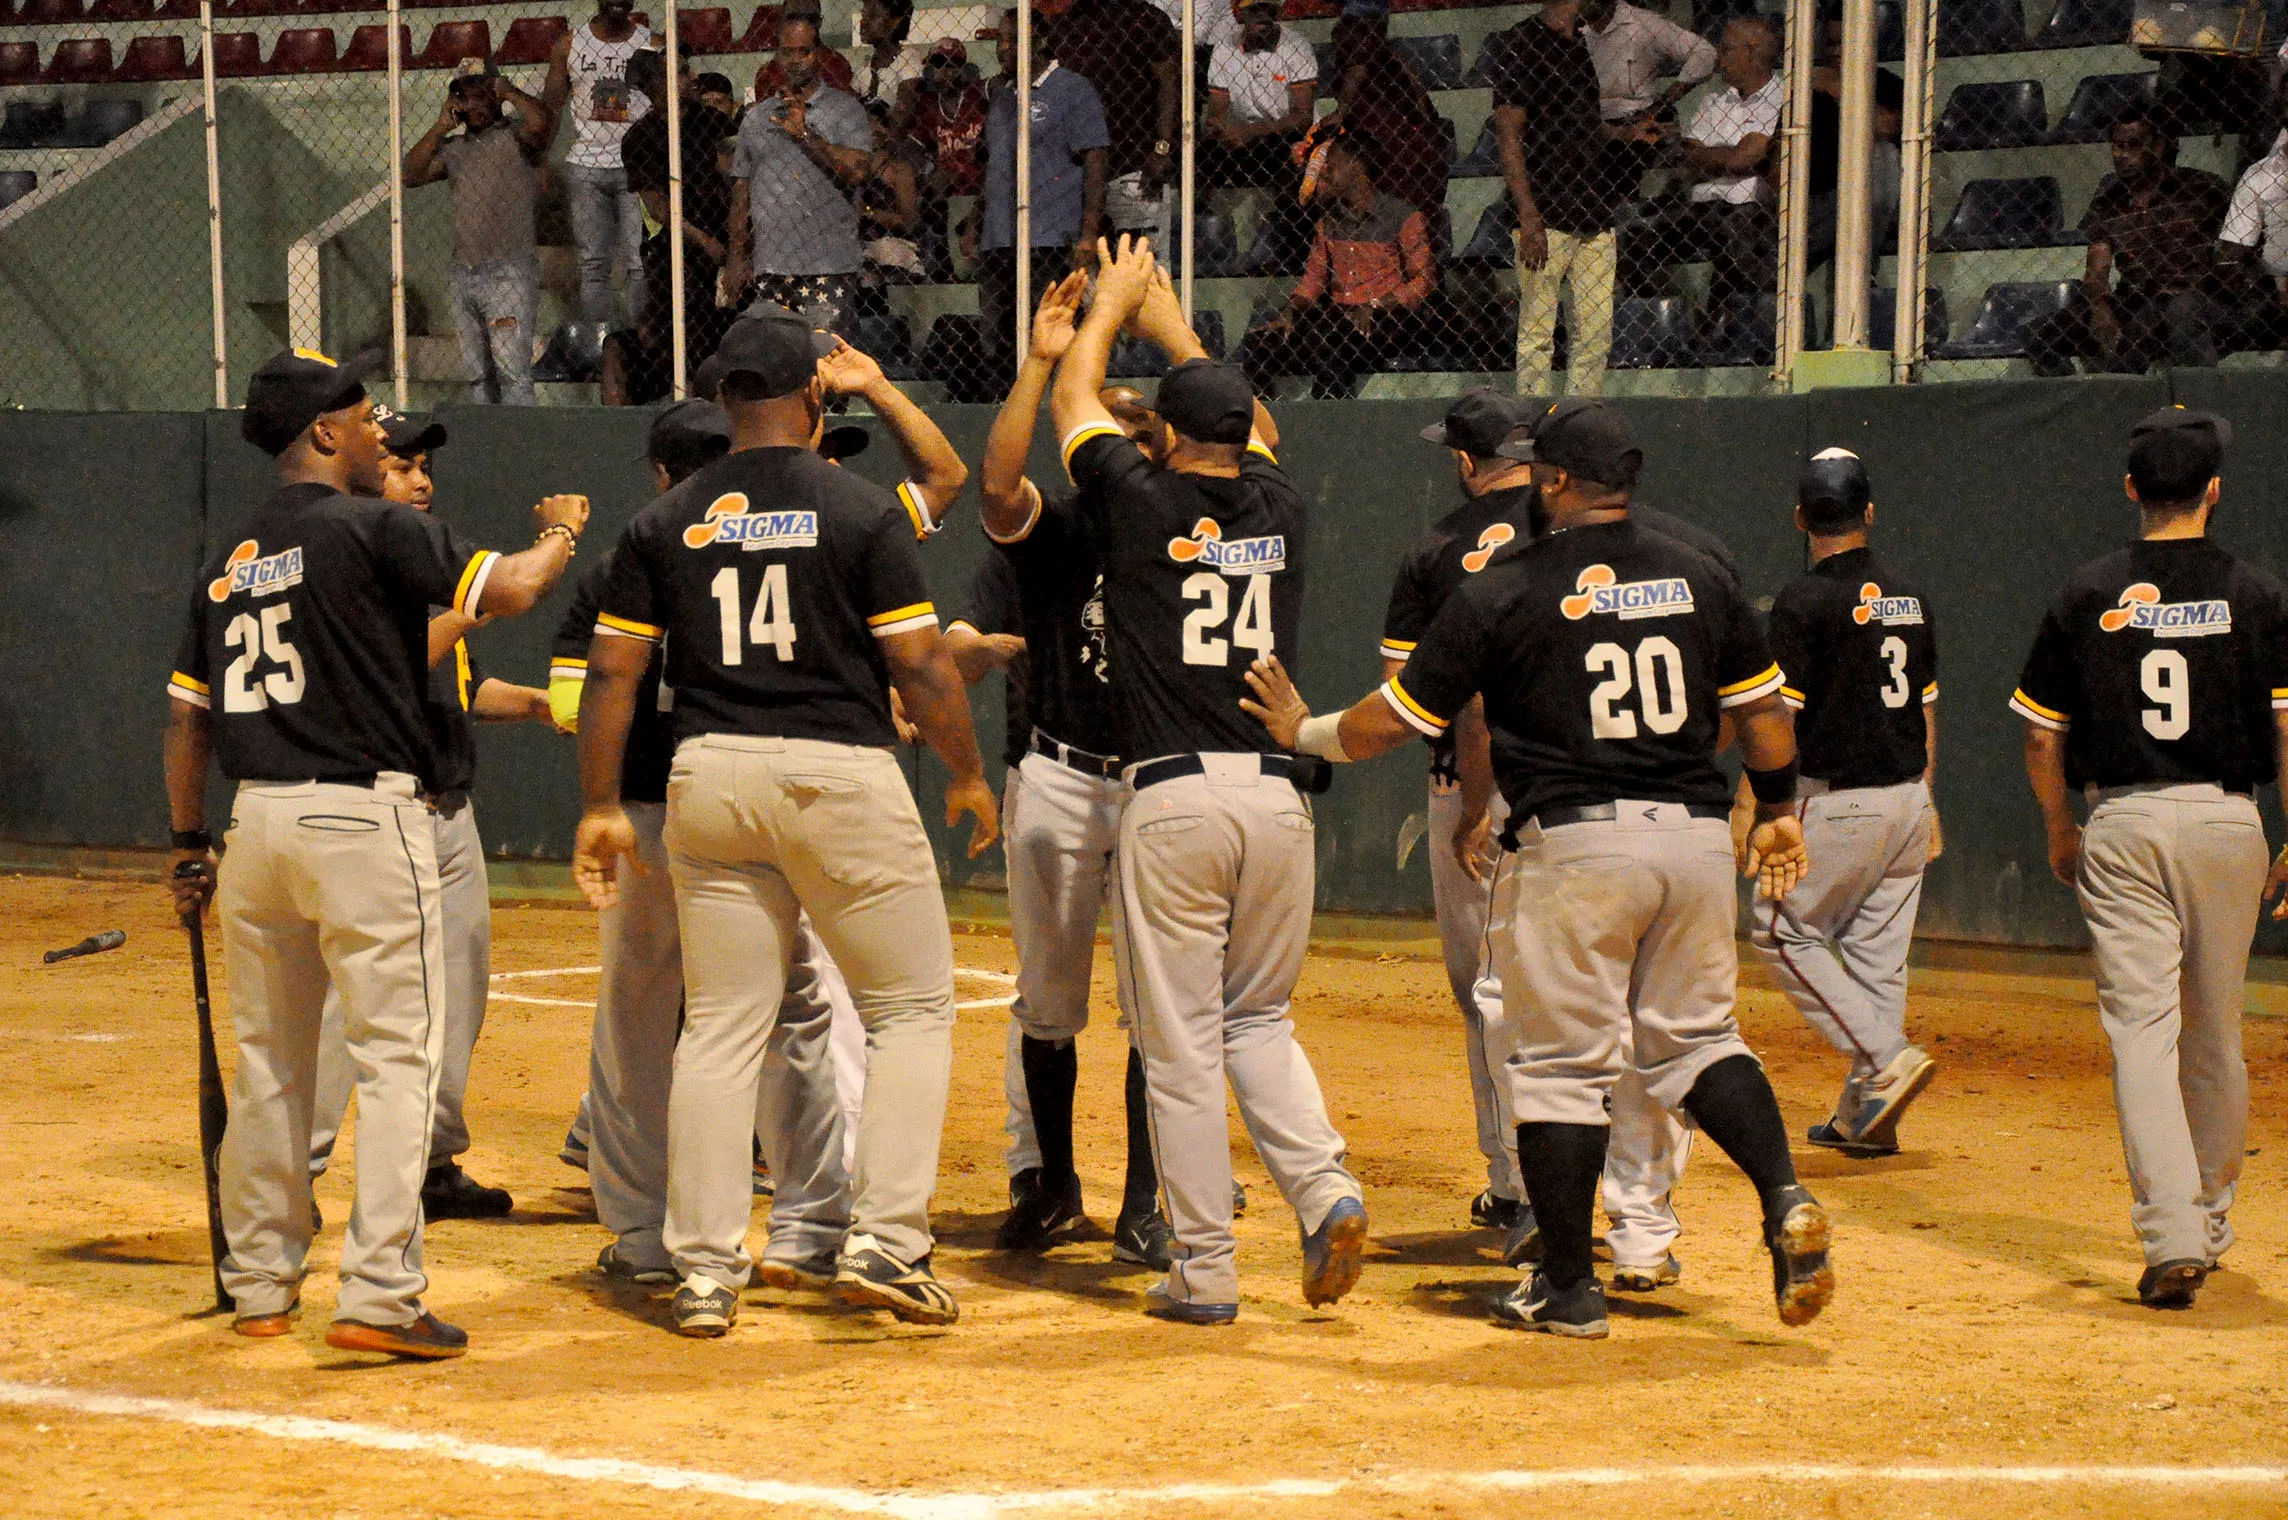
x=1895, y=690
x=255, y=637
x=1658, y=676
x=773, y=622
x=1251, y=629
x=2168, y=681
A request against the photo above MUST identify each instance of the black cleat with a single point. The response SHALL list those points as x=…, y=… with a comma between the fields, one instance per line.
x=1577, y=1310
x=2172, y=1284
x=868, y=1277
x=450, y=1193
x=1523, y=1246
x=1491, y=1211
x=705, y=1308
x=1145, y=1239
x=1829, y=1135
x=1803, y=1280
x=1036, y=1216
x=427, y=1339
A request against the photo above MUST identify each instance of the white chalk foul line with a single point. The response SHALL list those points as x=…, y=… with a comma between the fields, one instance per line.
x=986, y=1506
x=997, y=978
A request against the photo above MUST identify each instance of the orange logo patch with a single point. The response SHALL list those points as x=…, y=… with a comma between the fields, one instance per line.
x=1869, y=594
x=1493, y=538
x=1586, y=586
x=1184, y=550
x=218, y=589
x=2143, y=594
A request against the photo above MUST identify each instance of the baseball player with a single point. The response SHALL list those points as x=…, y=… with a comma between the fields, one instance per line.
x=1500, y=514
x=459, y=691
x=2158, y=685
x=1044, y=579
x=790, y=597
x=302, y=671
x=1860, y=651
x=1202, y=558
x=1606, y=655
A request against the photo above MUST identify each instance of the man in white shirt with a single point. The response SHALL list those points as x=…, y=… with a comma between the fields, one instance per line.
x=1634, y=49
x=1262, y=81
x=1729, y=154
x=2255, y=233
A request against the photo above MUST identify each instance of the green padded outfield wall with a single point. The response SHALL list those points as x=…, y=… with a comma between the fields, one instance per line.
x=1985, y=494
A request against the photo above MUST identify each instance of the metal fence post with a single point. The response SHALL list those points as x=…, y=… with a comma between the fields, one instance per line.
x=1022, y=316
x=1914, y=192
x=675, y=302
x=1855, y=154
x=397, y=343
x=1795, y=186
x=1187, y=192
x=214, y=207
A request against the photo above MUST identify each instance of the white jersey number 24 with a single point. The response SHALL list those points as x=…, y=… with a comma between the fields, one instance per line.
x=1250, y=629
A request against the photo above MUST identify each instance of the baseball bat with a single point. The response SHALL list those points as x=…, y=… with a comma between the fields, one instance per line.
x=94, y=944
x=214, y=1107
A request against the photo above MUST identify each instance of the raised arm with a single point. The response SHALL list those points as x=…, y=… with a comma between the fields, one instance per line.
x=517, y=582
x=935, y=470
x=1006, y=499
x=558, y=86
x=1124, y=274
x=1160, y=319
x=534, y=124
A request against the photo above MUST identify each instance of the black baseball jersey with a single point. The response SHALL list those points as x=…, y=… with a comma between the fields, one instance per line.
x=2162, y=662
x=1605, y=654
x=992, y=607
x=309, y=640
x=1458, y=546
x=651, y=733
x=771, y=574
x=1859, y=650
x=1202, y=575
x=453, y=683
x=1059, y=589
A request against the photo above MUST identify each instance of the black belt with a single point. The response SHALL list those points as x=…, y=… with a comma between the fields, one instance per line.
x=1106, y=766
x=366, y=779
x=1309, y=775
x=1597, y=812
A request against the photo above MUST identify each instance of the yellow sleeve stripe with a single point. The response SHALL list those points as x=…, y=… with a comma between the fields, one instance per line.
x=1258, y=446
x=908, y=622
x=1791, y=693
x=471, y=589
x=1083, y=434
x=917, y=509
x=628, y=627
x=568, y=670
x=1930, y=692
x=2279, y=692
x=2020, y=700
x=1769, y=674
x=1413, y=712
x=964, y=623
x=183, y=689
x=902, y=614
x=1032, y=518
x=201, y=687
x=1398, y=648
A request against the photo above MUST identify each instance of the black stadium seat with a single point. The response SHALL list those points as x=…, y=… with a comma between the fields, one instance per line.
x=1483, y=161
x=2003, y=317
x=2007, y=114
x=2087, y=23
x=1492, y=242
x=886, y=338
x=1437, y=61
x=1742, y=329
x=1651, y=332
x=15, y=184
x=1215, y=245
x=1967, y=27
x=2098, y=99
x=1883, y=318
x=2006, y=213
x=101, y=122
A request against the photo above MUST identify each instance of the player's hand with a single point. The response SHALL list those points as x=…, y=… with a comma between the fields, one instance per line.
x=848, y=372
x=562, y=512
x=1058, y=317
x=1123, y=274
x=1473, y=845
x=192, y=882
x=2065, y=852
x=976, y=799
x=604, y=839
x=1776, y=856
x=1160, y=317
x=1277, y=705
x=908, y=733
x=1743, y=824
x=1937, y=839
x=2275, y=880
x=1002, y=648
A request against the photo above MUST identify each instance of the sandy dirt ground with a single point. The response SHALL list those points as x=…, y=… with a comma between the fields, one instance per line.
x=1986, y=1317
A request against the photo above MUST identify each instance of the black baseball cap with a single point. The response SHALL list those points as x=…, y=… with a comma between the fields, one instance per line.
x=1208, y=401
x=687, y=432
x=296, y=388
x=1480, y=422
x=2175, y=452
x=408, y=436
x=1833, y=488
x=1581, y=437
x=771, y=343
x=845, y=442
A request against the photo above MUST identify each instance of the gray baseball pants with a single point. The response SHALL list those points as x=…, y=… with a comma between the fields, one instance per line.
x=1838, y=943
x=1060, y=828
x=1461, y=905
x=465, y=901
x=1211, y=919
x=326, y=883
x=2171, y=879
x=1613, y=942
x=759, y=830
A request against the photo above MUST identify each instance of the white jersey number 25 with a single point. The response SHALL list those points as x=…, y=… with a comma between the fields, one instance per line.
x=1251, y=629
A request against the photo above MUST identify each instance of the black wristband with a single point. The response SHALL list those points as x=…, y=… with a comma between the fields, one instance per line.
x=193, y=839
x=1774, y=786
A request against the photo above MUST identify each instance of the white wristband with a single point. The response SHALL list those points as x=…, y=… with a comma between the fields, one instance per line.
x=1322, y=737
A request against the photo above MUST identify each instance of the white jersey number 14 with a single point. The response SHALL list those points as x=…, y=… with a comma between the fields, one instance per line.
x=773, y=620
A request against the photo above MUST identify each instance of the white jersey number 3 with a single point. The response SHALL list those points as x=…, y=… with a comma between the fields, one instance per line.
x=1658, y=676
x=773, y=622
x=2168, y=681
x=254, y=637
x=1895, y=690
x=1251, y=629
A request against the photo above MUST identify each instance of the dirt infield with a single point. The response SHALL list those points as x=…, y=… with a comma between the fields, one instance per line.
x=1986, y=1322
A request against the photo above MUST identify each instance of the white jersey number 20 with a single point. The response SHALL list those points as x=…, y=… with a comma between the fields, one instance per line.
x=1658, y=671
x=1251, y=629
x=2168, y=681
x=773, y=622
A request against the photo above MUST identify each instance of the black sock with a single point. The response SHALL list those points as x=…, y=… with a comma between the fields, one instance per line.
x=1052, y=1071
x=1561, y=1164
x=1733, y=1105
x=1142, y=1193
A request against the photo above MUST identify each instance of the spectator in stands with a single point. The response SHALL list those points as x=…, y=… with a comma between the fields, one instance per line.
x=1387, y=116
x=1070, y=143
x=1262, y=83
x=589, y=71
x=1561, y=183
x=801, y=154
x=1129, y=52
x=2149, y=287
x=949, y=124
x=1211, y=23
x=717, y=94
x=1827, y=140
x=1727, y=160
x=1634, y=50
x=832, y=66
x=890, y=207
x=2253, y=252
x=645, y=351
x=889, y=67
x=493, y=164
x=1360, y=301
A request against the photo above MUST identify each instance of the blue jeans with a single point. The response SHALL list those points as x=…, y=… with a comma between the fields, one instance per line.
x=496, y=308
x=607, y=223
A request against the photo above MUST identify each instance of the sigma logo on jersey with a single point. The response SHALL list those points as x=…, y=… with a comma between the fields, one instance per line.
x=1493, y=538
x=1596, y=589
x=1890, y=611
x=1241, y=556
x=2141, y=607
x=250, y=571
x=728, y=521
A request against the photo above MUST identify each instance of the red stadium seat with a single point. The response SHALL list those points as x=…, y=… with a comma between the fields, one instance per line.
x=242, y=10
x=50, y=12
x=237, y=55
x=369, y=47
x=123, y=10
x=304, y=50
x=154, y=58
x=80, y=60
x=531, y=39
x=177, y=10
x=19, y=63
x=452, y=41
x=762, y=34
x=707, y=31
